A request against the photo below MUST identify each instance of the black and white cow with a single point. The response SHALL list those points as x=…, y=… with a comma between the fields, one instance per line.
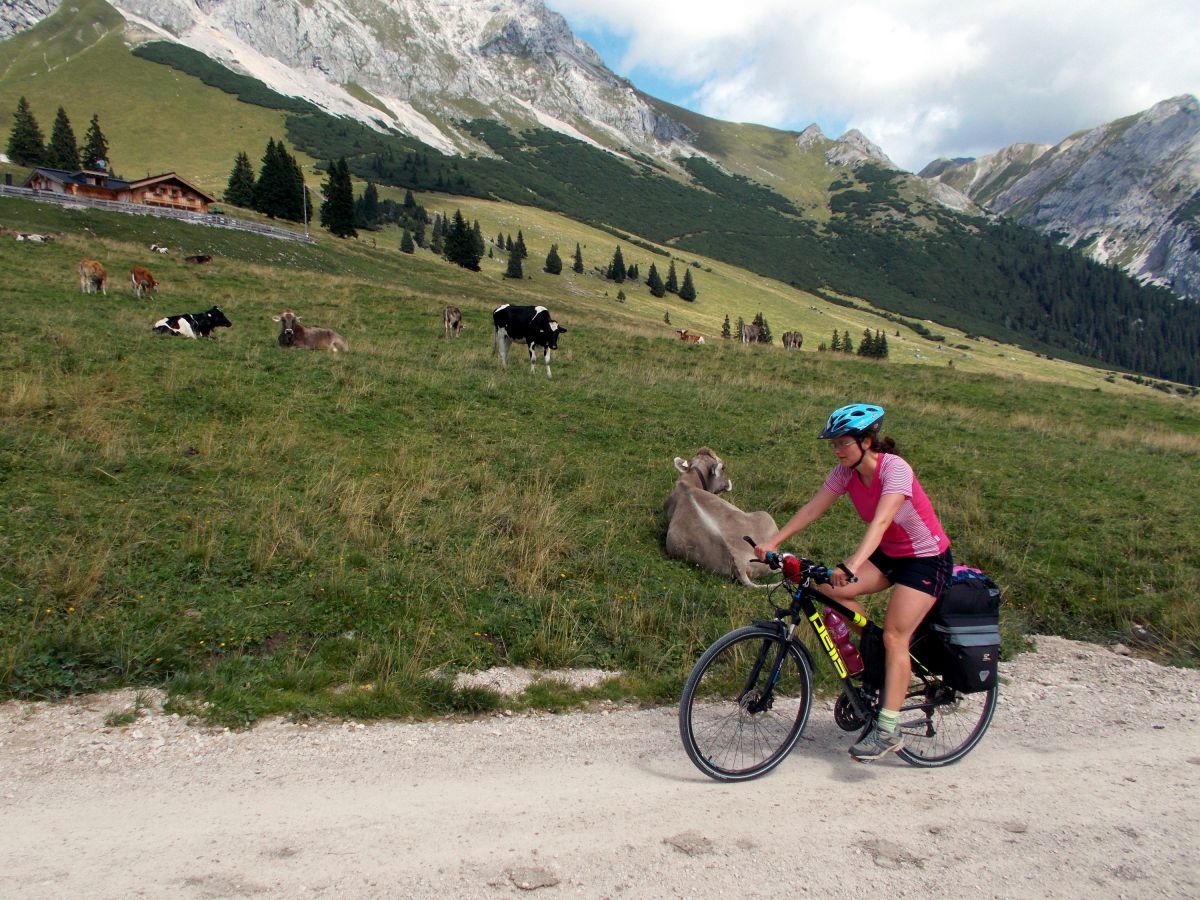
x=193, y=325
x=530, y=325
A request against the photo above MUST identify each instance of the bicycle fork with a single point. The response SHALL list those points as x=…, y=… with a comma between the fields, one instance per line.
x=748, y=699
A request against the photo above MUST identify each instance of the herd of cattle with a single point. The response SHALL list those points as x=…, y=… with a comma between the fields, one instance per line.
x=529, y=325
x=533, y=326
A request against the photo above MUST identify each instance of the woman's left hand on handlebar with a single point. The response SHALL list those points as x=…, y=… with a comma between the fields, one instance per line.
x=841, y=575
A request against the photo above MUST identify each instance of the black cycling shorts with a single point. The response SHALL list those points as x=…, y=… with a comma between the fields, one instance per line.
x=927, y=574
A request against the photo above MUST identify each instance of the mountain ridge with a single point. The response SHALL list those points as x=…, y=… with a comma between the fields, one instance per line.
x=1126, y=192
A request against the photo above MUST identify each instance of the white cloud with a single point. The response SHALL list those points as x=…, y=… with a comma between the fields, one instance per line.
x=920, y=78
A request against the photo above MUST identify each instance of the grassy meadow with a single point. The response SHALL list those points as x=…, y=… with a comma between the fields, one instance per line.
x=267, y=531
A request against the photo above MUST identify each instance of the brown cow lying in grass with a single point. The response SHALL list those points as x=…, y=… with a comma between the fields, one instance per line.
x=143, y=281
x=92, y=277
x=293, y=334
x=705, y=529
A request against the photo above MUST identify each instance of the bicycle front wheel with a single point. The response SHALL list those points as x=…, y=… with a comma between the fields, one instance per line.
x=941, y=725
x=745, y=704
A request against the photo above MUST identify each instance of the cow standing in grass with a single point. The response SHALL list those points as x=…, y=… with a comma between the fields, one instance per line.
x=143, y=281
x=293, y=334
x=707, y=530
x=92, y=277
x=452, y=322
x=531, y=325
x=792, y=340
x=753, y=334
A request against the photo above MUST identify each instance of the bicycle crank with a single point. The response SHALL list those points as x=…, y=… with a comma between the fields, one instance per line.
x=846, y=716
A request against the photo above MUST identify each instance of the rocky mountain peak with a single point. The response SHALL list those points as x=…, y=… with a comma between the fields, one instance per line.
x=810, y=136
x=854, y=148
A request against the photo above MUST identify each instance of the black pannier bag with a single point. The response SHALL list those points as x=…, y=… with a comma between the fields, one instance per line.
x=967, y=622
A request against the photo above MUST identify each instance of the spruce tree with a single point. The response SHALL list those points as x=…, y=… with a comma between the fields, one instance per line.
x=740, y=325
x=460, y=244
x=95, y=147
x=836, y=344
x=847, y=344
x=514, y=269
x=269, y=188
x=509, y=243
x=477, y=240
x=500, y=241
x=366, y=208
x=419, y=233
x=240, y=189
x=631, y=273
x=725, y=332
x=687, y=290
x=577, y=265
x=524, y=254
x=866, y=346
x=616, y=269
x=436, y=245
x=667, y=317
x=881, y=345
x=62, y=153
x=406, y=243
x=672, y=284
x=26, y=145
x=337, y=210
x=765, y=336
x=655, y=283
x=553, y=261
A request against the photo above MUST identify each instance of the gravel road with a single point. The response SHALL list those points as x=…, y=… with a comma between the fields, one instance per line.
x=1087, y=785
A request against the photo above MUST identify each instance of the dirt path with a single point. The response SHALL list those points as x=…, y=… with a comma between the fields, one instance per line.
x=1088, y=784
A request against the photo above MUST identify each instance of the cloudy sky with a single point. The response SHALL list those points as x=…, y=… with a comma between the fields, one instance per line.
x=922, y=79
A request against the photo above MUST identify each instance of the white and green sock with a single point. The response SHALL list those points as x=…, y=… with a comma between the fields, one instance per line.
x=889, y=720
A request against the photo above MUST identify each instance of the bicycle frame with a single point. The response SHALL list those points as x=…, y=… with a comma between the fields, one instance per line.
x=803, y=595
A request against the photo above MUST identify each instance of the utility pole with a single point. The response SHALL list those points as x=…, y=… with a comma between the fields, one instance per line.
x=304, y=204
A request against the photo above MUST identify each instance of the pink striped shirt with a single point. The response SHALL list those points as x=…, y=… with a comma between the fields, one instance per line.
x=915, y=531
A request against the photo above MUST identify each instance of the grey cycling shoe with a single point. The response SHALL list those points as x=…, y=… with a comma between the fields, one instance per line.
x=875, y=743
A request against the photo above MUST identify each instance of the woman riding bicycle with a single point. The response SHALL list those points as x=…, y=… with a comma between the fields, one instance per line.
x=904, y=547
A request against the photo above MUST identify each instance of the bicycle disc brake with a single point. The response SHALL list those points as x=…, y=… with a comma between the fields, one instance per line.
x=755, y=702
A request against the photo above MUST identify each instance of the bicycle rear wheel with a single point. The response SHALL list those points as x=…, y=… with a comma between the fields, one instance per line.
x=735, y=724
x=941, y=725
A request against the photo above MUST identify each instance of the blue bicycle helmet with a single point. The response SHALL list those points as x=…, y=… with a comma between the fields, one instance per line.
x=856, y=420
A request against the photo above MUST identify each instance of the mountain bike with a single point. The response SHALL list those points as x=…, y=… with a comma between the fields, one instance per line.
x=748, y=698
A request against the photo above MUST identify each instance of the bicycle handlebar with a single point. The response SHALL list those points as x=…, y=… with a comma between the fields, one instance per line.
x=797, y=568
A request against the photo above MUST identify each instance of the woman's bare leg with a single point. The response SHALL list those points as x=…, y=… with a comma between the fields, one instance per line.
x=906, y=610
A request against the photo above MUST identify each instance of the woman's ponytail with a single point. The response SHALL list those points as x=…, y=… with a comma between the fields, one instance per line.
x=883, y=444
